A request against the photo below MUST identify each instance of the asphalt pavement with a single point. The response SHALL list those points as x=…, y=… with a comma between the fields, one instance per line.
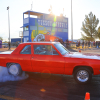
x=49, y=87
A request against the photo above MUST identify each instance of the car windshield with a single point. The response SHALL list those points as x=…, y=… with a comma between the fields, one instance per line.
x=61, y=48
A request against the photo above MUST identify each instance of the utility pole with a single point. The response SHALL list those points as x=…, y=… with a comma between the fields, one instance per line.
x=8, y=26
x=32, y=5
x=71, y=23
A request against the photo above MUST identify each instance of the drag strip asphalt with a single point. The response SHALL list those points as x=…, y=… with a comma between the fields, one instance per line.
x=50, y=87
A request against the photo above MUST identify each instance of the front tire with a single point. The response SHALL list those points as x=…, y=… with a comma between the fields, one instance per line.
x=82, y=75
x=14, y=69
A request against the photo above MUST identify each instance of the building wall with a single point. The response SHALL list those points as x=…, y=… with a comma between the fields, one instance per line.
x=16, y=40
x=45, y=26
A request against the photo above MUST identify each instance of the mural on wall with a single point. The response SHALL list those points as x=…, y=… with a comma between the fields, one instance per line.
x=44, y=27
x=44, y=34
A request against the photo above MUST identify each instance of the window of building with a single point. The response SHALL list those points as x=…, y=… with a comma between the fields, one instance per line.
x=26, y=50
x=33, y=27
x=60, y=18
x=26, y=28
x=65, y=30
x=41, y=17
x=48, y=28
x=60, y=30
x=65, y=20
x=33, y=16
x=25, y=16
x=40, y=28
x=49, y=17
x=54, y=30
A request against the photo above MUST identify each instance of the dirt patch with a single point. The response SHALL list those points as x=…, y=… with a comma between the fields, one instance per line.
x=7, y=49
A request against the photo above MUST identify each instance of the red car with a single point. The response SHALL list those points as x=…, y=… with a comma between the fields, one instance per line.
x=53, y=58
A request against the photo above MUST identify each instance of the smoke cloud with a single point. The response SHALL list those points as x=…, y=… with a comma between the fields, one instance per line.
x=5, y=76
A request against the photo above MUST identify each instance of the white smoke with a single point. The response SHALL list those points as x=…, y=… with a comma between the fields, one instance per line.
x=5, y=76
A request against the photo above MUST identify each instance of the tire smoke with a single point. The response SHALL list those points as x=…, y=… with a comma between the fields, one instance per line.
x=5, y=76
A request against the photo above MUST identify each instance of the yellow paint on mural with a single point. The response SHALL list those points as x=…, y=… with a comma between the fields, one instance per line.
x=36, y=32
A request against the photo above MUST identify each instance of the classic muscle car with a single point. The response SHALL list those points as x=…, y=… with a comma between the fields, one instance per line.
x=53, y=58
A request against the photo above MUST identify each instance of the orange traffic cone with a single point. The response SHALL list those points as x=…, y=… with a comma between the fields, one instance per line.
x=87, y=96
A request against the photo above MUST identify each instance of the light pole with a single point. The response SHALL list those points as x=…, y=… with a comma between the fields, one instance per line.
x=71, y=23
x=9, y=27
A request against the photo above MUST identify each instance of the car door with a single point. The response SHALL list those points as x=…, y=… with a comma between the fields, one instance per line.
x=46, y=59
x=24, y=58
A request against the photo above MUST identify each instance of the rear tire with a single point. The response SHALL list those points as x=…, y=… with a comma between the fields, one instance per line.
x=82, y=75
x=14, y=69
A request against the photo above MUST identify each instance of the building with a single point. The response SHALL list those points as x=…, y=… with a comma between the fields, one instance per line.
x=14, y=40
x=39, y=26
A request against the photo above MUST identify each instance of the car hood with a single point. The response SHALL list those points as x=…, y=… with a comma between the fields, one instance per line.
x=83, y=55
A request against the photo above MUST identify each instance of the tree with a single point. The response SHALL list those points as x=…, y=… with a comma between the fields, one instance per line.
x=98, y=34
x=5, y=41
x=89, y=27
x=1, y=38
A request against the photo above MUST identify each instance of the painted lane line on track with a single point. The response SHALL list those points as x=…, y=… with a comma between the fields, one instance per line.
x=9, y=98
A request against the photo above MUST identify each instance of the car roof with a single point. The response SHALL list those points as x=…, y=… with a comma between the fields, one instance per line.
x=39, y=42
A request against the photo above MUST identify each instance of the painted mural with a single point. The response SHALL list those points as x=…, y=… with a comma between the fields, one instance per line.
x=44, y=34
x=45, y=27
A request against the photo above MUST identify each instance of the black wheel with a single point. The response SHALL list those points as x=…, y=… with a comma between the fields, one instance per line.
x=82, y=75
x=14, y=69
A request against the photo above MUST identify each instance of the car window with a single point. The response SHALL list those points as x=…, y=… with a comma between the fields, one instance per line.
x=61, y=48
x=44, y=50
x=26, y=50
x=54, y=51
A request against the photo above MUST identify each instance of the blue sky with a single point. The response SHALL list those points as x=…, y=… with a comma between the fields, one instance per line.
x=17, y=7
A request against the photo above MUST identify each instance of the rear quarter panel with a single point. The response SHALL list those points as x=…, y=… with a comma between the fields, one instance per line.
x=71, y=63
x=5, y=58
